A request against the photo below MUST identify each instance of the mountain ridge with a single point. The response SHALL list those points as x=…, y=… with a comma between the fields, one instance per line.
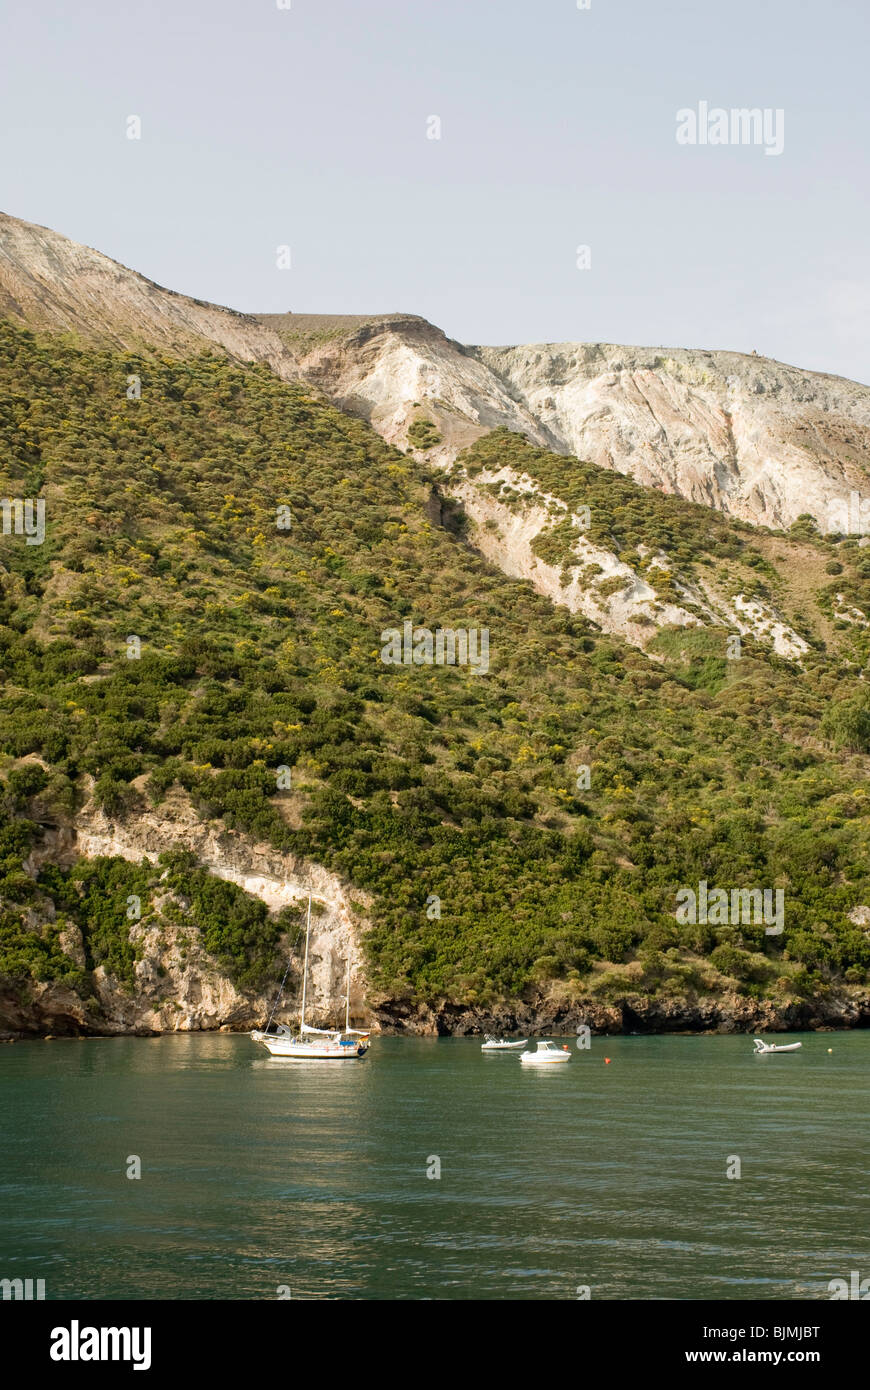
x=51, y=283
x=761, y=440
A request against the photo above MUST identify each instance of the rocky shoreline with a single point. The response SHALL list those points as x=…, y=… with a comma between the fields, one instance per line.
x=727, y=1013
x=54, y=1012
x=179, y=988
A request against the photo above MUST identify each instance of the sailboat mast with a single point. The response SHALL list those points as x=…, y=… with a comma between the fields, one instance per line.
x=347, y=998
x=305, y=967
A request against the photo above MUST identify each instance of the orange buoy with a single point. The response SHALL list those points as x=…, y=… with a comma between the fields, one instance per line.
x=607, y=1059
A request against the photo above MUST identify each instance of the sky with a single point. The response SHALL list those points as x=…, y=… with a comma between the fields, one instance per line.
x=311, y=127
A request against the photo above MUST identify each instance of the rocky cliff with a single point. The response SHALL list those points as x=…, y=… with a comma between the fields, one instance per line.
x=757, y=439
x=178, y=986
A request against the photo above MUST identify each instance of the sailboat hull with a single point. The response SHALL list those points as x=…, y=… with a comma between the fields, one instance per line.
x=311, y=1051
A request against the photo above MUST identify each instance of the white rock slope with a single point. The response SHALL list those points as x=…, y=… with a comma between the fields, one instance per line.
x=752, y=437
x=611, y=593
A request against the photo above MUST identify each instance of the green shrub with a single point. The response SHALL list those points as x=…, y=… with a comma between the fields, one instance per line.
x=422, y=434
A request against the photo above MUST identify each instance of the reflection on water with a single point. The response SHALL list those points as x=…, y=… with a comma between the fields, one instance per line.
x=259, y=1172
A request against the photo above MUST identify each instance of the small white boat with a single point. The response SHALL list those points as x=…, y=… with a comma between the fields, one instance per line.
x=761, y=1047
x=548, y=1054
x=491, y=1044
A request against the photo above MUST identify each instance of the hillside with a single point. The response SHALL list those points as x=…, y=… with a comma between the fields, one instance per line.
x=49, y=282
x=758, y=440
x=638, y=563
x=413, y=786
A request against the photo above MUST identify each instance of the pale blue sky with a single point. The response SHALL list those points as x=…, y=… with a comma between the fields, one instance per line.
x=307, y=127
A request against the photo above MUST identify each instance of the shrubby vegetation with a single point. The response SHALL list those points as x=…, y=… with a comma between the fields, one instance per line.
x=623, y=515
x=260, y=649
x=641, y=525
x=423, y=434
x=95, y=897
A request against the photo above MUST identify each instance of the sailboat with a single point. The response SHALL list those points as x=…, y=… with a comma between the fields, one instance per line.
x=313, y=1044
x=364, y=1034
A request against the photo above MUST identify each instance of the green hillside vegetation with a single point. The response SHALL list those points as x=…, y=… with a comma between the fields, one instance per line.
x=637, y=523
x=423, y=434
x=260, y=649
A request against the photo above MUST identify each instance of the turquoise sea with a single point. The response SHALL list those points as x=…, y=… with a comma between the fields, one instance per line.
x=260, y=1175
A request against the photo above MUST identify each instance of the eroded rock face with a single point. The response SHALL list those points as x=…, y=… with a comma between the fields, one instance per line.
x=400, y=368
x=755, y=438
x=747, y=435
x=506, y=536
x=612, y=594
x=178, y=985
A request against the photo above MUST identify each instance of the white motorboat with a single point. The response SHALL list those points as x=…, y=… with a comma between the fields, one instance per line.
x=491, y=1044
x=548, y=1054
x=761, y=1047
x=313, y=1044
